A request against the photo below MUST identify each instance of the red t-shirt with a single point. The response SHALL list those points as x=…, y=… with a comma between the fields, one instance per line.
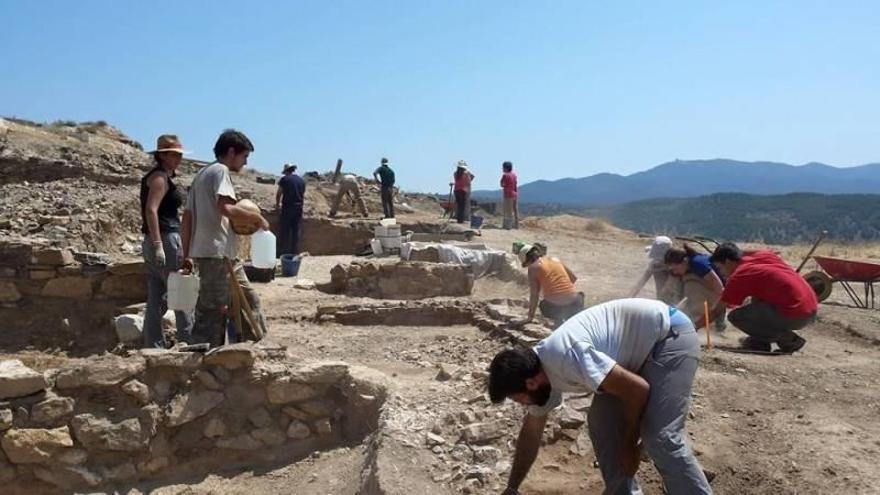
x=764, y=275
x=508, y=184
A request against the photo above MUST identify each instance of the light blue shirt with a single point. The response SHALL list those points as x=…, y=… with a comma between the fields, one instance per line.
x=578, y=356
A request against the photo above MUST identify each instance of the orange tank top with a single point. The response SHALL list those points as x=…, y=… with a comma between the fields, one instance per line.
x=553, y=278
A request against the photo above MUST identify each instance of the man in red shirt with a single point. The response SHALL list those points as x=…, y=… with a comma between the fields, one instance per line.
x=511, y=193
x=781, y=300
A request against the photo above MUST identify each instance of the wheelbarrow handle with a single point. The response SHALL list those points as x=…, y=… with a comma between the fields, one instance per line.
x=822, y=236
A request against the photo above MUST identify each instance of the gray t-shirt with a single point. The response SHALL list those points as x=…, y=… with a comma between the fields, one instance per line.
x=579, y=355
x=212, y=235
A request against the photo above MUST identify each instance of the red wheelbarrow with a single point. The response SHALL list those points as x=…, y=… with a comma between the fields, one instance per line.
x=845, y=272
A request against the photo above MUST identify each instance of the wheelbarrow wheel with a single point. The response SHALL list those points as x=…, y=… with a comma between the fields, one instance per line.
x=821, y=284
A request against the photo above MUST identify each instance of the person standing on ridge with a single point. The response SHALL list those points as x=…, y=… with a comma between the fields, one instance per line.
x=385, y=177
x=290, y=197
x=160, y=223
x=511, y=196
x=209, y=242
x=462, y=179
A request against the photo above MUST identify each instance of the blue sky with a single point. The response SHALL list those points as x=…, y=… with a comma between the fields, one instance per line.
x=562, y=89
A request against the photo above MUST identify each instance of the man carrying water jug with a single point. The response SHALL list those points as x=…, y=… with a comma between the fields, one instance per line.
x=209, y=241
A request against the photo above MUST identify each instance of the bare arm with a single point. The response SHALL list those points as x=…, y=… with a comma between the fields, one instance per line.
x=534, y=293
x=632, y=390
x=527, y=445
x=571, y=275
x=158, y=186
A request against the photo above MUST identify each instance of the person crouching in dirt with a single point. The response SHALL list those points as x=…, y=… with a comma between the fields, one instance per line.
x=209, y=242
x=700, y=285
x=657, y=270
x=348, y=186
x=160, y=223
x=781, y=300
x=551, y=278
x=639, y=357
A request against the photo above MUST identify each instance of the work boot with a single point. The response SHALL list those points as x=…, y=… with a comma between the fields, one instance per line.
x=793, y=345
x=753, y=344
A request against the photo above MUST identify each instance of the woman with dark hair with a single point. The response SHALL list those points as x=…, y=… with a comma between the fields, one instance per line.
x=462, y=179
x=163, y=253
x=700, y=283
x=550, y=278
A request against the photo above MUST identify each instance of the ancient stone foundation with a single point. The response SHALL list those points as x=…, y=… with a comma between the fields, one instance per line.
x=402, y=280
x=112, y=419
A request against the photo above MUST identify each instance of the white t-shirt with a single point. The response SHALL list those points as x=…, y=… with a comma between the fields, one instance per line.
x=212, y=235
x=578, y=355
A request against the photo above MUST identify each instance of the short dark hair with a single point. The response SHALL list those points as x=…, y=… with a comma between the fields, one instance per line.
x=507, y=166
x=384, y=161
x=509, y=370
x=230, y=138
x=727, y=251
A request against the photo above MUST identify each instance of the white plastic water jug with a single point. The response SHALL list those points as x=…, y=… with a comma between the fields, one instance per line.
x=263, y=249
x=183, y=291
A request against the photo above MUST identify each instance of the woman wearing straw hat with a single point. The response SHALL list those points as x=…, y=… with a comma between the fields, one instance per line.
x=160, y=202
x=462, y=190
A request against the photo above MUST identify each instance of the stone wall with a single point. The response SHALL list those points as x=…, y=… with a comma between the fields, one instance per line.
x=110, y=420
x=402, y=280
x=54, y=297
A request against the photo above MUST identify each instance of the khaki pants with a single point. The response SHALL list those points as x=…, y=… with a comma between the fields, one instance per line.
x=511, y=213
x=352, y=188
x=691, y=288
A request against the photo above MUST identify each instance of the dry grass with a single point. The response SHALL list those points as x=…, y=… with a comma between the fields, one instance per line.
x=572, y=224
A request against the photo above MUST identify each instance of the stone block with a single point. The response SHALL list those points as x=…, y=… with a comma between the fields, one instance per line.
x=130, y=268
x=52, y=410
x=6, y=419
x=41, y=274
x=323, y=427
x=137, y=390
x=34, y=446
x=73, y=456
x=284, y=390
x=92, y=259
x=321, y=373
x=298, y=430
x=101, y=372
x=232, y=356
x=102, y=434
x=483, y=433
x=15, y=254
x=129, y=328
x=70, y=287
x=9, y=292
x=67, y=476
x=260, y=417
x=161, y=358
x=17, y=380
x=189, y=406
x=128, y=287
x=271, y=436
x=53, y=257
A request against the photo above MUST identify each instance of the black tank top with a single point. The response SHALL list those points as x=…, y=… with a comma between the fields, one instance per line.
x=169, y=221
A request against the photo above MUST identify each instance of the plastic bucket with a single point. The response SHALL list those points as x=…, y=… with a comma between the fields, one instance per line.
x=376, y=244
x=263, y=249
x=183, y=291
x=290, y=265
x=476, y=221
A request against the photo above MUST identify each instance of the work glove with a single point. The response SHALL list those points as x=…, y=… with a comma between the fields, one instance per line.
x=159, y=254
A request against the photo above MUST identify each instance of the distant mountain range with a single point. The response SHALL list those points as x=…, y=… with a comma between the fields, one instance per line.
x=776, y=219
x=692, y=178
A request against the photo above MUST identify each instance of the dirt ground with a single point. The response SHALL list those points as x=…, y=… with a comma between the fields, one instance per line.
x=797, y=424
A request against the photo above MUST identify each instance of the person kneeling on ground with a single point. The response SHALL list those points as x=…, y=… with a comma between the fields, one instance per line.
x=639, y=356
x=781, y=300
x=555, y=280
x=657, y=269
x=700, y=285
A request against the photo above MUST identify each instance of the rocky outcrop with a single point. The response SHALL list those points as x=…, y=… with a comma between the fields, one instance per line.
x=403, y=280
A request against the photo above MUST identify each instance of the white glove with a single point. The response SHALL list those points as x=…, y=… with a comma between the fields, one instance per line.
x=159, y=254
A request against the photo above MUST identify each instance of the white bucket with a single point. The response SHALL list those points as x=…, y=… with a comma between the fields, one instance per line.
x=390, y=242
x=263, y=249
x=376, y=244
x=183, y=291
x=385, y=222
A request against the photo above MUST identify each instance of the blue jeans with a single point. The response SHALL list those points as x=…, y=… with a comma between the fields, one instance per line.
x=157, y=292
x=670, y=371
x=290, y=230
